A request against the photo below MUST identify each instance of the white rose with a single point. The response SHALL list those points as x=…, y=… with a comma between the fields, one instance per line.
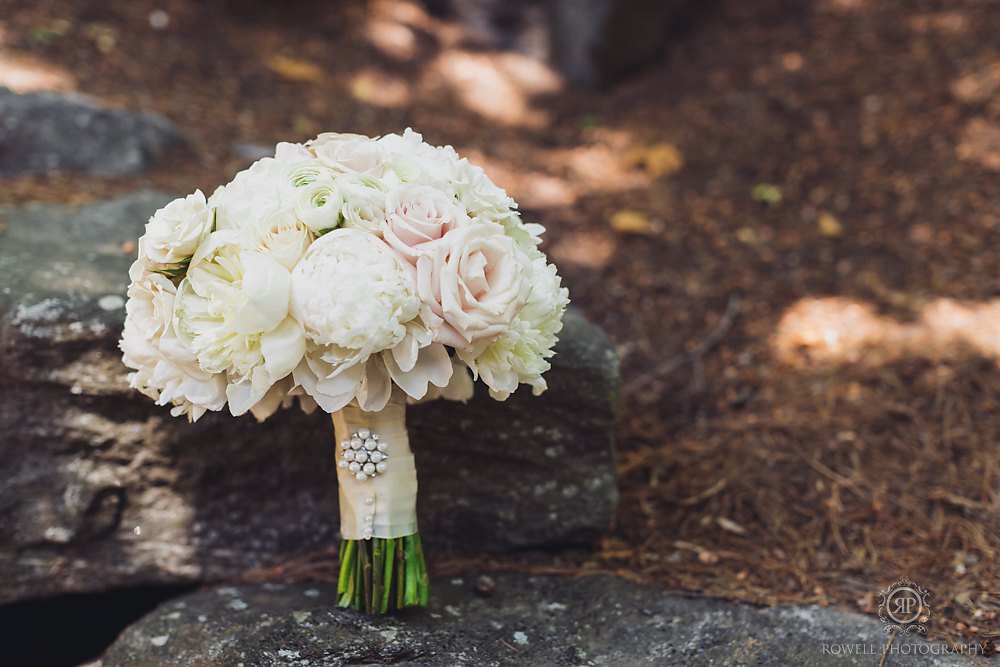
x=521, y=353
x=347, y=153
x=174, y=232
x=232, y=313
x=283, y=237
x=355, y=300
x=164, y=369
x=416, y=215
x=473, y=281
x=364, y=202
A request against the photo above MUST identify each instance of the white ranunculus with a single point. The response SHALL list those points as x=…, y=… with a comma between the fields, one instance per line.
x=416, y=215
x=347, y=153
x=356, y=299
x=473, y=283
x=174, y=232
x=232, y=313
x=319, y=204
x=164, y=369
x=520, y=354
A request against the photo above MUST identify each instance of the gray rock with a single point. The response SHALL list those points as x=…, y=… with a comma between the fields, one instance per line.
x=528, y=621
x=104, y=489
x=42, y=132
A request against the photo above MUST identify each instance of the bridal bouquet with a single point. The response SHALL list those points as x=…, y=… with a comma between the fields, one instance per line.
x=353, y=274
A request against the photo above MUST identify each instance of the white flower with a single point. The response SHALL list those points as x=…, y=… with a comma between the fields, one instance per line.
x=263, y=190
x=283, y=237
x=174, y=232
x=407, y=159
x=347, y=153
x=164, y=369
x=416, y=215
x=356, y=299
x=480, y=196
x=319, y=204
x=286, y=151
x=527, y=236
x=459, y=388
x=364, y=202
x=520, y=354
x=232, y=313
x=473, y=283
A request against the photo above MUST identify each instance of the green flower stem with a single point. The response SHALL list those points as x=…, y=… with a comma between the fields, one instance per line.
x=381, y=575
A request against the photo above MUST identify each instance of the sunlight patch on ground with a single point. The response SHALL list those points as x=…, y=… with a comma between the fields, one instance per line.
x=944, y=22
x=980, y=144
x=563, y=176
x=497, y=86
x=392, y=38
x=23, y=73
x=979, y=84
x=844, y=6
x=376, y=87
x=838, y=330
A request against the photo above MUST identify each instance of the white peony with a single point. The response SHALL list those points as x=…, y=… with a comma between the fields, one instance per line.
x=519, y=354
x=256, y=193
x=232, y=313
x=358, y=306
x=417, y=215
x=174, y=232
x=473, y=282
x=407, y=159
x=164, y=369
x=480, y=196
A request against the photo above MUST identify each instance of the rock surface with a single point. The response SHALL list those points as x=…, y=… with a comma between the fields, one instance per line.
x=528, y=621
x=103, y=489
x=53, y=132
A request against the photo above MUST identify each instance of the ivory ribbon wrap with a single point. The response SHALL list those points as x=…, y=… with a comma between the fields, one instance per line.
x=389, y=498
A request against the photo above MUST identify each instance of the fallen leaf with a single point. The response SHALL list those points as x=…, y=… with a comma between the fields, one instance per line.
x=631, y=222
x=295, y=69
x=768, y=193
x=660, y=159
x=829, y=225
x=747, y=235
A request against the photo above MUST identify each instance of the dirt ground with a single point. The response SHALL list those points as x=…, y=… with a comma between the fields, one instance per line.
x=789, y=227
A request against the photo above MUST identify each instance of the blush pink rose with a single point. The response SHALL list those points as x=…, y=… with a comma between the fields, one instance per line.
x=417, y=215
x=473, y=281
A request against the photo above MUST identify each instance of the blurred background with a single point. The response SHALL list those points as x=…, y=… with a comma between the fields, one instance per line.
x=785, y=214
